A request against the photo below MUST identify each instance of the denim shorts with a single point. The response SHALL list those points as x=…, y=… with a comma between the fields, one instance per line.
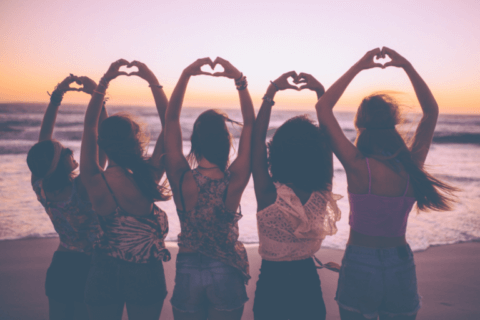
x=114, y=281
x=202, y=282
x=67, y=275
x=289, y=290
x=378, y=281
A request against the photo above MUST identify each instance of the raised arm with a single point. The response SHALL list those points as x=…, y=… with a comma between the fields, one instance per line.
x=50, y=116
x=176, y=163
x=89, y=87
x=345, y=151
x=264, y=189
x=89, y=163
x=424, y=133
x=240, y=167
x=161, y=102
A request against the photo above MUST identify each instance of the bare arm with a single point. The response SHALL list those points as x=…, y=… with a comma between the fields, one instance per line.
x=264, y=189
x=240, y=167
x=50, y=116
x=161, y=102
x=89, y=159
x=424, y=133
x=346, y=152
x=176, y=163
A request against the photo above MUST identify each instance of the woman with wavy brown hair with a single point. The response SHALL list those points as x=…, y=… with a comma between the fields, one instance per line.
x=385, y=179
x=296, y=208
x=127, y=266
x=212, y=265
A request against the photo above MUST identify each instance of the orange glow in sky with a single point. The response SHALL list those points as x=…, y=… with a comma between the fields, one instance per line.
x=43, y=41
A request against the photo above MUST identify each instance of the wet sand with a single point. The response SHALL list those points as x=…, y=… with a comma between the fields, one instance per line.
x=448, y=280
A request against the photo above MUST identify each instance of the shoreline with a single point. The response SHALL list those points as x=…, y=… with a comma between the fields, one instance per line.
x=447, y=275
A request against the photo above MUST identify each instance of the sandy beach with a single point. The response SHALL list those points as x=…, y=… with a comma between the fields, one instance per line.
x=448, y=280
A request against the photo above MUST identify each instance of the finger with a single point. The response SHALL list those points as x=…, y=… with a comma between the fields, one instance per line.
x=122, y=62
x=303, y=87
x=378, y=65
x=134, y=73
x=219, y=74
x=121, y=73
x=290, y=74
x=388, y=64
x=204, y=73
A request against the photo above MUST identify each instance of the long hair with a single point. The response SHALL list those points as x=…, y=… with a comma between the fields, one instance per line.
x=299, y=153
x=378, y=138
x=124, y=142
x=211, y=139
x=39, y=160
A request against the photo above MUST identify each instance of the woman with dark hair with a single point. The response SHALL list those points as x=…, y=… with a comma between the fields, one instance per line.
x=385, y=178
x=296, y=208
x=212, y=266
x=61, y=192
x=127, y=262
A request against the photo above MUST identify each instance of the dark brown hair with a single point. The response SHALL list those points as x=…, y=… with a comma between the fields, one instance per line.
x=378, y=138
x=124, y=142
x=39, y=159
x=299, y=153
x=211, y=139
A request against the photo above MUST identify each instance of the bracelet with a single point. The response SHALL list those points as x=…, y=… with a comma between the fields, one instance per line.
x=275, y=85
x=241, y=83
x=155, y=86
x=56, y=97
x=265, y=98
x=102, y=93
x=103, y=82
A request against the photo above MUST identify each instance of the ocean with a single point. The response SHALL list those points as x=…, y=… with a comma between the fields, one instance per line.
x=454, y=157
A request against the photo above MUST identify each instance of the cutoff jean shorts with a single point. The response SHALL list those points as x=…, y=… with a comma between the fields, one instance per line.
x=378, y=281
x=202, y=282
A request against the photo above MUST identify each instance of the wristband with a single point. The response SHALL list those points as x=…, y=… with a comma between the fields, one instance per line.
x=265, y=98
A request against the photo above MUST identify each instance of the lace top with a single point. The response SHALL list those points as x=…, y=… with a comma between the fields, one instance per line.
x=74, y=219
x=209, y=228
x=138, y=239
x=289, y=231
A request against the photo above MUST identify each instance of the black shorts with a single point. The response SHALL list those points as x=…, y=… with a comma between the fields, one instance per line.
x=289, y=290
x=113, y=281
x=67, y=275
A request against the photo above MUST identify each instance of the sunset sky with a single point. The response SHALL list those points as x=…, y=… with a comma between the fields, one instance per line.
x=43, y=41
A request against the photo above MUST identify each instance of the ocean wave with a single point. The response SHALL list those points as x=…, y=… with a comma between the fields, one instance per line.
x=457, y=138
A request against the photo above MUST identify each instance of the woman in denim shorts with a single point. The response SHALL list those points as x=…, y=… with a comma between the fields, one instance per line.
x=127, y=264
x=385, y=178
x=212, y=265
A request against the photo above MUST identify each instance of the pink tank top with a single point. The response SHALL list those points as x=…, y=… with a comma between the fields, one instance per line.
x=374, y=215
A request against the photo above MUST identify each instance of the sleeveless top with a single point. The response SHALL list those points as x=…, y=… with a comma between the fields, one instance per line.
x=288, y=230
x=74, y=219
x=138, y=239
x=374, y=215
x=209, y=228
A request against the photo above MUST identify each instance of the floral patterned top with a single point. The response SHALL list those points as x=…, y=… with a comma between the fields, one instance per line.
x=209, y=228
x=138, y=239
x=74, y=219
